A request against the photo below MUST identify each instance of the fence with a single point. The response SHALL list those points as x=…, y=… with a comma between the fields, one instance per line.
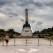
x=28, y=41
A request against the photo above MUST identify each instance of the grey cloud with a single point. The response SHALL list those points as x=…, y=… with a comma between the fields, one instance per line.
x=13, y=14
x=5, y=2
x=48, y=17
x=39, y=23
x=37, y=4
x=2, y=3
x=15, y=8
x=26, y=3
x=50, y=4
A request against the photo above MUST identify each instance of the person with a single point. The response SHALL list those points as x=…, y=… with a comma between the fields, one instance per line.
x=7, y=39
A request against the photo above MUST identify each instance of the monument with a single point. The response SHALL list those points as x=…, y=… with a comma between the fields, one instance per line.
x=26, y=31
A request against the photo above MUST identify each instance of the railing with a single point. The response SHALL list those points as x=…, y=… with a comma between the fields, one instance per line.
x=28, y=41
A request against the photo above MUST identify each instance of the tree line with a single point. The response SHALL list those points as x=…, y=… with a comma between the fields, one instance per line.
x=9, y=31
x=48, y=31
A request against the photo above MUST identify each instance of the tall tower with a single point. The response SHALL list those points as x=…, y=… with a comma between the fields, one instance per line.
x=26, y=14
x=26, y=31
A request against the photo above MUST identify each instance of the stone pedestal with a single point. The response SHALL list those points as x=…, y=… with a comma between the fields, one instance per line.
x=26, y=32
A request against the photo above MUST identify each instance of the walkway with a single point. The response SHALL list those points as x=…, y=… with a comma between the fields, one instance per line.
x=31, y=47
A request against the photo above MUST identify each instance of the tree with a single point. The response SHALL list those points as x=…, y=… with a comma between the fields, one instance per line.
x=11, y=32
x=2, y=32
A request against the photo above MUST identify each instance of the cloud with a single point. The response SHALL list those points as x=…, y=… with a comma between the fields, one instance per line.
x=4, y=2
x=2, y=16
x=39, y=23
x=12, y=14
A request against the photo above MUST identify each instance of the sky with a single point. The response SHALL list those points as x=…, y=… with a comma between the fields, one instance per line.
x=12, y=14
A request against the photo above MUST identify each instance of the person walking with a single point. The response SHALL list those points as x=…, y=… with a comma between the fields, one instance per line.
x=7, y=39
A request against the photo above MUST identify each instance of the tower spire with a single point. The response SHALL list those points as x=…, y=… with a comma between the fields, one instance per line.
x=26, y=19
x=26, y=16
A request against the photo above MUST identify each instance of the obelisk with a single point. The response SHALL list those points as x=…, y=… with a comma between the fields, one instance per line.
x=26, y=31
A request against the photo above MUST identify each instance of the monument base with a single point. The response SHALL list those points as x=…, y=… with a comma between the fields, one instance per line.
x=26, y=36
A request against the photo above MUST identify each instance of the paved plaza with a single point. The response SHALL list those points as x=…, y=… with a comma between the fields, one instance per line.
x=30, y=47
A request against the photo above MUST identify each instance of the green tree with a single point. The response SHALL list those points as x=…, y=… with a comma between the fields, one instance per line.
x=2, y=32
x=11, y=32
